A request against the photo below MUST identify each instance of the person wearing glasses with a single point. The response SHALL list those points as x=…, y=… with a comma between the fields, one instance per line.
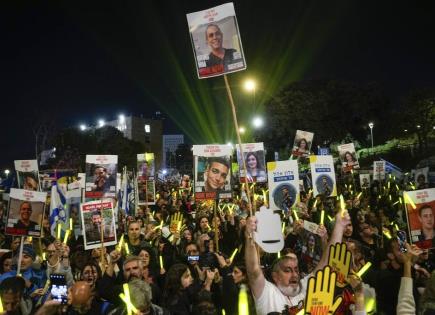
x=24, y=222
x=219, y=57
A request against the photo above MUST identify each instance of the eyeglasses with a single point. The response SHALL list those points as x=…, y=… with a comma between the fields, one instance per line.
x=215, y=34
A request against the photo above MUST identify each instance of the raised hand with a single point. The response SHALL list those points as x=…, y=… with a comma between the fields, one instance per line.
x=339, y=260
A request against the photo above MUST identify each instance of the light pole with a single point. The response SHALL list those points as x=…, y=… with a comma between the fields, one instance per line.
x=371, y=125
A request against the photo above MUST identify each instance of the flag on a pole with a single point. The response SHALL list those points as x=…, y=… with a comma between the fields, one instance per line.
x=57, y=209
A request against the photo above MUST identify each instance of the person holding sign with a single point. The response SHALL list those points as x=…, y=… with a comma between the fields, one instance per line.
x=287, y=290
x=219, y=57
x=216, y=174
x=24, y=222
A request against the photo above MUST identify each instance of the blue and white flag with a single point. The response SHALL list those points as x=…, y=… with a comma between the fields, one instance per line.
x=126, y=193
x=57, y=209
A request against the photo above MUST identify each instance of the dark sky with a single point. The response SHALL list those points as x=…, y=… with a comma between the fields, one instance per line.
x=76, y=61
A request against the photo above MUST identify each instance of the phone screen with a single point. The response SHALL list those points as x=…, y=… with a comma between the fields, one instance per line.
x=401, y=238
x=59, y=290
x=193, y=258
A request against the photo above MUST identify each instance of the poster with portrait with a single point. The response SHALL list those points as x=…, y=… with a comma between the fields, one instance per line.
x=101, y=176
x=212, y=165
x=378, y=170
x=98, y=221
x=283, y=184
x=421, y=176
x=26, y=212
x=302, y=143
x=364, y=181
x=323, y=175
x=421, y=225
x=216, y=43
x=146, y=191
x=145, y=165
x=253, y=154
x=27, y=174
x=348, y=157
x=73, y=200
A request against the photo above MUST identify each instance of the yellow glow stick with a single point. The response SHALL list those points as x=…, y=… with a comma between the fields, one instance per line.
x=130, y=306
x=400, y=200
x=387, y=234
x=29, y=239
x=364, y=269
x=396, y=226
x=397, y=187
x=409, y=200
x=121, y=243
x=159, y=226
x=330, y=218
x=322, y=217
x=359, y=195
x=1, y=305
x=127, y=250
x=396, y=203
x=279, y=255
x=389, y=197
x=233, y=255
x=283, y=227
x=388, y=185
x=71, y=224
x=315, y=203
x=231, y=208
x=342, y=205
x=161, y=262
x=44, y=256
x=264, y=195
x=65, y=239
x=370, y=305
x=296, y=215
x=58, y=230
x=243, y=301
x=223, y=312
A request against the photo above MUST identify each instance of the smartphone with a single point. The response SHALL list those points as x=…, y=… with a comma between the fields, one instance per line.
x=193, y=258
x=59, y=290
x=401, y=238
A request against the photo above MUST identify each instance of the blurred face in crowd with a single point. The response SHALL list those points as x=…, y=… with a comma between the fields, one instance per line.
x=145, y=256
x=396, y=254
x=133, y=269
x=26, y=261
x=80, y=297
x=216, y=175
x=187, y=235
x=11, y=302
x=366, y=230
x=134, y=231
x=237, y=275
x=192, y=250
x=15, y=244
x=203, y=224
x=286, y=277
x=7, y=265
x=348, y=230
x=186, y=279
x=90, y=275
x=426, y=218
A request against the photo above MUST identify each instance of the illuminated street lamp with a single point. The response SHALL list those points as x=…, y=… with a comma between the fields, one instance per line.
x=250, y=86
x=7, y=172
x=257, y=122
x=371, y=125
x=101, y=123
x=82, y=127
x=242, y=130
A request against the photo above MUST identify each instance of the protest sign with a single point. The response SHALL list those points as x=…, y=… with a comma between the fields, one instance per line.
x=348, y=157
x=283, y=184
x=253, y=153
x=27, y=174
x=302, y=143
x=364, y=181
x=323, y=175
x=378, y=170
x=339, y=260
x=101, y=176
x=421, y=176
x=268, y=234
x=145, y=165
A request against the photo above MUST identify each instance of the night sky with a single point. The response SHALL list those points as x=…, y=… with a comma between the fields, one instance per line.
x=77, y=61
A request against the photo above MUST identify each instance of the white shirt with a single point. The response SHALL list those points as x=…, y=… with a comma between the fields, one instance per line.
x=272, y=299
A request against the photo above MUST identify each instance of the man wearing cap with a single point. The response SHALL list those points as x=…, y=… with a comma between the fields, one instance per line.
x=35, y=279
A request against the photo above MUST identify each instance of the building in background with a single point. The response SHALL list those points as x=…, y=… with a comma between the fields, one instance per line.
x=170, y=145
x=143, y=130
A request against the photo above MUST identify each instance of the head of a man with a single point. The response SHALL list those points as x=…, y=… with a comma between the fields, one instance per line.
x=25, y=211
x=11, y=292
x=426, y=217
x=28, y=257
x=216, y=174
x=30, y=183
x=133, y=268
x=142, y=297
x=100, y=171
x=133, y=231
x=285, y=275
x=214, y=37
x=80, y=297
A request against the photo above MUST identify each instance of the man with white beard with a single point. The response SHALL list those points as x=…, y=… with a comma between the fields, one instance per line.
x=288, y=290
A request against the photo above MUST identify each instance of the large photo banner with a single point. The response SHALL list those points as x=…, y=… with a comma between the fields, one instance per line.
x=101, y=176
x=27, y=174
x=26, y=212
x=421, y=223
x=378, y=170
x=348, y=157
x=253, y=154
x=323, y=175
x=216, y=43
x=98, y=222
x=146, y=191
x=145, y=165
x=283, y=184
x=302, y=143
x=212, y=171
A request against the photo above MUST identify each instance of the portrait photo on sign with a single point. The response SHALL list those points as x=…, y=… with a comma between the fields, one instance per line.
x=216, y=42
x=302, y=143
x=421, y=178
x=421, y=221
x=145, y=165
x=348, y=157
x=324, y=185
x=25, y=216
x=253, y=154
x=98, y=221
x=213, y=176
x=28, y=180
x=284, y=196
x=100, y=180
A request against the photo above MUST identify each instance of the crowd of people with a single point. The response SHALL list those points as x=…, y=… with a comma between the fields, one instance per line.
x=184, y=257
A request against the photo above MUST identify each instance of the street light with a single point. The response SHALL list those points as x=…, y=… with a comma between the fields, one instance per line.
x=101, y=123
x=82, y=127
x=371, y=125
x=242, y=130
x=257, y=122
x=250, y=86
x=7, y=172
